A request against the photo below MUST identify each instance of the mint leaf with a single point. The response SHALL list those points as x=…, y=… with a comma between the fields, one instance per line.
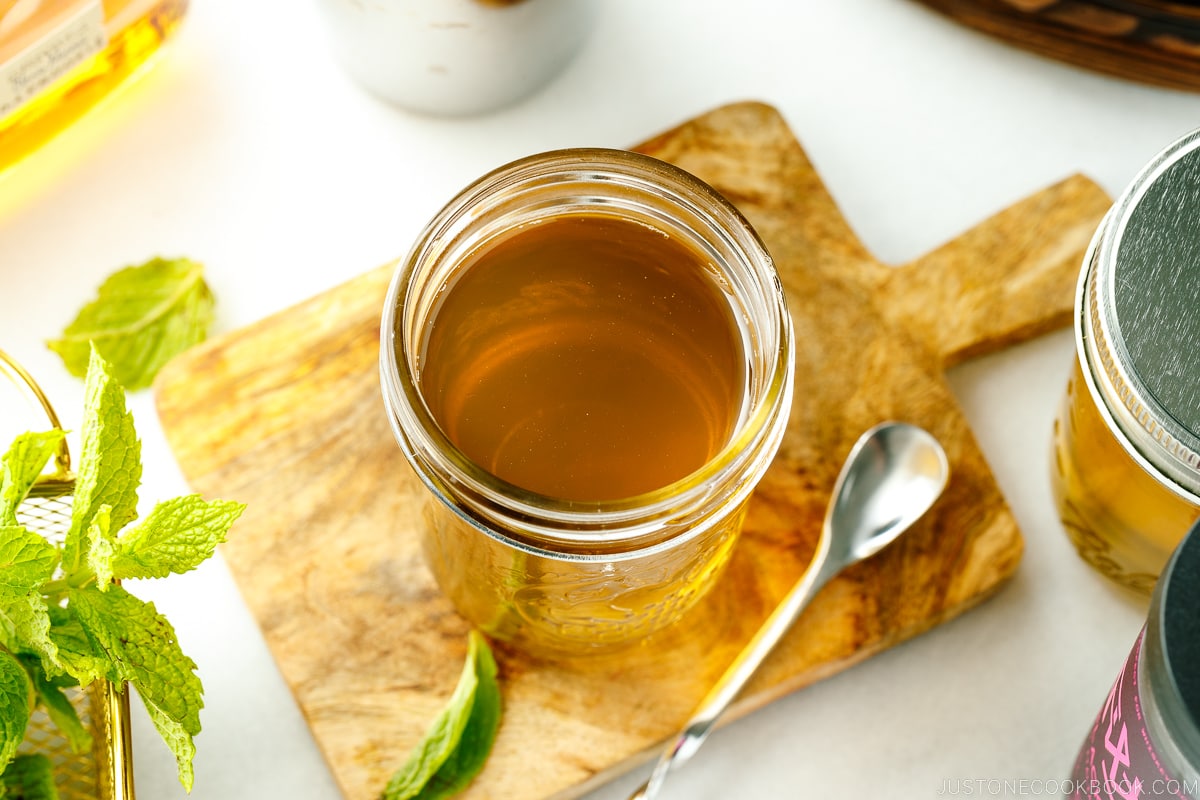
x=26, y=624
x=74, y=651
x=178, y=740
x=141, y=644
x=101, y=547
x=26, y=562
x=21, y=466
x=467, y=760
x=29, y=777
x=14, y=706
x=142, y=648
x=436, y=765
x=141, y=318
x=440, y=740
x=110, y=467
x=177, y=536
x=58, y=706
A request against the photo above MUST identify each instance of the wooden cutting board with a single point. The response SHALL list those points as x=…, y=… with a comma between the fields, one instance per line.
x=286, y=416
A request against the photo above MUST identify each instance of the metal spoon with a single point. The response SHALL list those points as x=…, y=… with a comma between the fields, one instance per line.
x=892, y=476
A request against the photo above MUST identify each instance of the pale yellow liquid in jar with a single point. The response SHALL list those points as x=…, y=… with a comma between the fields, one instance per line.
x=588, y=359
x=1120, y=518
x=561, y=608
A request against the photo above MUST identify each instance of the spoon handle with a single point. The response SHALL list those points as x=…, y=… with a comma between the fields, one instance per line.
x=738, y=673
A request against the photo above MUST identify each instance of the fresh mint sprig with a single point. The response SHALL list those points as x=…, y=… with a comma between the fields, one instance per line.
x=65, y=619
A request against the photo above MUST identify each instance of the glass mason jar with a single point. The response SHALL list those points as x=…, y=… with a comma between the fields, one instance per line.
x=565, y=575
x=1145, y=742
x=59, y=58
x=1126, y=471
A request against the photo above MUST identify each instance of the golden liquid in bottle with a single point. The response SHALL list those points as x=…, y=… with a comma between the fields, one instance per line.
x=135, y=30
x=1120, y=518
x=585, y=358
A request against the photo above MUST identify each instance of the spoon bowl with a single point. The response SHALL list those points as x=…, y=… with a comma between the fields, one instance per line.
x=893, y=474
x=891, y=477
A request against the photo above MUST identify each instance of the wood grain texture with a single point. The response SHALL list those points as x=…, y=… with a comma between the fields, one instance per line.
x=286, y=416
x=1151, y=41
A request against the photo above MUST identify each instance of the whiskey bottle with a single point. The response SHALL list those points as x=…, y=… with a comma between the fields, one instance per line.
x=60, y=58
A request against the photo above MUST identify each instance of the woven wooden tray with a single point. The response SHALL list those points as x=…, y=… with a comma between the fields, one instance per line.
x=1153, y=41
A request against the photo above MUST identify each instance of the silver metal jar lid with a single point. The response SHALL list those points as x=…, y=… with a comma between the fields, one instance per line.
x=1140, y=320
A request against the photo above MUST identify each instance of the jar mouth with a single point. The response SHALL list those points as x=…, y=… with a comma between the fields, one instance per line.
x=592, y=181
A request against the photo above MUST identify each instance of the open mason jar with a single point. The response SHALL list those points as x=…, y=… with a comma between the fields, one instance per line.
x=587, y=359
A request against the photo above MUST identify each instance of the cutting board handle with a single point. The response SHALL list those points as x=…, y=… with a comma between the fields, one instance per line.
x=987, y=288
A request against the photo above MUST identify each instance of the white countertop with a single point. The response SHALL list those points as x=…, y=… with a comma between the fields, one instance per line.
x=246, y=147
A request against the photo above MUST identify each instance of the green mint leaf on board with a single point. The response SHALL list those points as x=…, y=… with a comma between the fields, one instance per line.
x=29, y=777
x=176, y=536
x=141, y=318
x=467, y=760
x=142, y=648
x=21, y=466
x=58, y=706
x=14, y=706
x=110, y=467
x=458, y=742
x=440, y=739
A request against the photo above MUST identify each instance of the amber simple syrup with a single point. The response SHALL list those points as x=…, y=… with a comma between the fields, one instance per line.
x=585, y=358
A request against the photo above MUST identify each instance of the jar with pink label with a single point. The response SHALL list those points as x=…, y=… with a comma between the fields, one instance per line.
x=1145, y=743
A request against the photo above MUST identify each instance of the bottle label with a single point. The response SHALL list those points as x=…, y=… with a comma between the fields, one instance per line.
x=78, y=36
x=1118, y=760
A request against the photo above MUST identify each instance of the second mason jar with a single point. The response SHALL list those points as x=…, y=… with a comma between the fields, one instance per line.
x=1127, y=441
x=587, y=358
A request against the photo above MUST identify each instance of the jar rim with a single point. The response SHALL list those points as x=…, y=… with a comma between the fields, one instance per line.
x=554, y=525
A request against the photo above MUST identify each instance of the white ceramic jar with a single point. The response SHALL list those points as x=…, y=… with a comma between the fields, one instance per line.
x=455, y=57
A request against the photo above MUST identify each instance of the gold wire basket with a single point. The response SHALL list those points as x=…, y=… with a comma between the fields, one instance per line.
x=106, y=772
